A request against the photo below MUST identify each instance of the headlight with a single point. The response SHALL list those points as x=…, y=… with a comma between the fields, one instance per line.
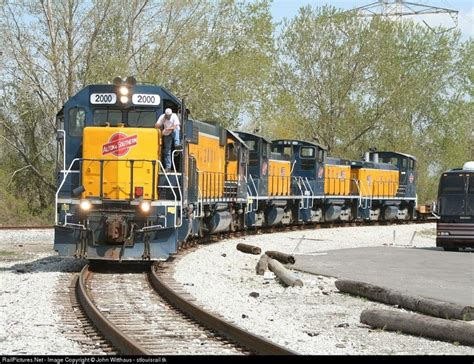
x=123, y=99
x=123, y=90
x=145, y=206
x=85, y=205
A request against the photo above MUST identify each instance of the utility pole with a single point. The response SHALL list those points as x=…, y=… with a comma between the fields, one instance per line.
x=397, y=9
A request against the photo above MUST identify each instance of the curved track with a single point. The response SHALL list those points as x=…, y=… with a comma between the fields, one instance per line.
x=146, y=313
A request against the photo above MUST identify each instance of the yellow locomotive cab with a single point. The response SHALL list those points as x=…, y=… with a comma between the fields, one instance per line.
x=119, y=148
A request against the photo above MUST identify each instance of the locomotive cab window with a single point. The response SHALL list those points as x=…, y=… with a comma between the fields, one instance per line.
x=143, y=118
x=103, y=116
x=308, y=158
x=231, y=152
x=321, y=156
x=252, y=144
x=390, y=160
x=77, y=118
x=308, y=153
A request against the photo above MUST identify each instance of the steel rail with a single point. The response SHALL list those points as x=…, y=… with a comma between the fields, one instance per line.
x=124, y=344
x=250, y=341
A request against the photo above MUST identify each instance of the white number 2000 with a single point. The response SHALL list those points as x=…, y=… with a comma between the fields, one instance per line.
x=146, y=99
x=103, y=99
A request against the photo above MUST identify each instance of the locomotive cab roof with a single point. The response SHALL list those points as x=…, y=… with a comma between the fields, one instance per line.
x=395, y=154
x=238, y=138
x=247, y=135
x=297, y=142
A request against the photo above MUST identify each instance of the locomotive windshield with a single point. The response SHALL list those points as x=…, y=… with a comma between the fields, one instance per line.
x=456, y=195
x=132, y=117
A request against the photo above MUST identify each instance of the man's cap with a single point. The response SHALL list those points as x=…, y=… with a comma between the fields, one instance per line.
x=168, y=112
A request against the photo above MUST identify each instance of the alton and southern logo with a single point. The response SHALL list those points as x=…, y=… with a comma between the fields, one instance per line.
x=119, y=144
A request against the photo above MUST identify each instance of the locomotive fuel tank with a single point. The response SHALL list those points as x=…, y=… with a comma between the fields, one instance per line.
x=220, y=221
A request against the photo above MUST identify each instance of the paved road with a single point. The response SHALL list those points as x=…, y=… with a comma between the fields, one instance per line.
x=446, y=276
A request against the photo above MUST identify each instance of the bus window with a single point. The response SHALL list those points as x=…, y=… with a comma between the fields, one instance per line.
x=452, y=184
x=470, y=197
x=77, y=118
x=471, y=184
x=452, y=195
x=451, y=205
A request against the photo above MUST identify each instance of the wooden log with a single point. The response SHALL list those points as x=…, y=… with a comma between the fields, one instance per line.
x=250, y=249
x=281, y=257
x=420, y=325
x=420, y=304
x=284, y=274
x=262, y=265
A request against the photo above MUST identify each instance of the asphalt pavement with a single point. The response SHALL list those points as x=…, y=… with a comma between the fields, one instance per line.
x=431, y=273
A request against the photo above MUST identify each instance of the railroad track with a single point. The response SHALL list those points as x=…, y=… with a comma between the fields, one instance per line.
x=114, y=315
x=145, y=312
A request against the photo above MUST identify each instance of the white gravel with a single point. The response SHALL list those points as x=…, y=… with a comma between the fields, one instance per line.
x=303, y=319
x=314, y=319
x=29, y=318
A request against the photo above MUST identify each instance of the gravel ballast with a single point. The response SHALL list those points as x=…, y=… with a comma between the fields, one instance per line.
x=30, y=319
x=313, y=319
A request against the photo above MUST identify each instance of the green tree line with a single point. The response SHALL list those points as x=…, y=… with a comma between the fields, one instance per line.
x=326, y=76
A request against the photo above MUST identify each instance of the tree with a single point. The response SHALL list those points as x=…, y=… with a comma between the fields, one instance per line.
x=351, y=84
x=209, y=51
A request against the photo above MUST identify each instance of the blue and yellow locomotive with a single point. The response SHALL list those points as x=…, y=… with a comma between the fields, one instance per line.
x=115, y=200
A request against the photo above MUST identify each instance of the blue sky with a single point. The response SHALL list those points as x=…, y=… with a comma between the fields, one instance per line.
x=289, y=8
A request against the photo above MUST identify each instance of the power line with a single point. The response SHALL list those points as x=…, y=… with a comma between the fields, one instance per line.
x=399, y=8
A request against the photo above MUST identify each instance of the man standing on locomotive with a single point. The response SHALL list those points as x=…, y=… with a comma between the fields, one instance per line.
x=168, y=123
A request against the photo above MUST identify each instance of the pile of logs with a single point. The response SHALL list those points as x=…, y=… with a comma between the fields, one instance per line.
x=272, y=260
x=441, y=327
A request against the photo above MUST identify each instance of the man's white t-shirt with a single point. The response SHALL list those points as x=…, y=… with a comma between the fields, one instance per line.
x=162, y=121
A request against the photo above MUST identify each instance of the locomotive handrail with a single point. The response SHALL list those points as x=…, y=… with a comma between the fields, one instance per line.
x=312, y=194
x=199, y=197
x=59, y=189
x=179, y=189
x=249, y=193
x=256, y=192
x=64, y=148
x=172, y=189
x=296, y=179
x=292, y=167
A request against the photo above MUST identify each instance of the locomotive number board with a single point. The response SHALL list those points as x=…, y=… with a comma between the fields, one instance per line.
x=146, y=99
x=103, y=99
